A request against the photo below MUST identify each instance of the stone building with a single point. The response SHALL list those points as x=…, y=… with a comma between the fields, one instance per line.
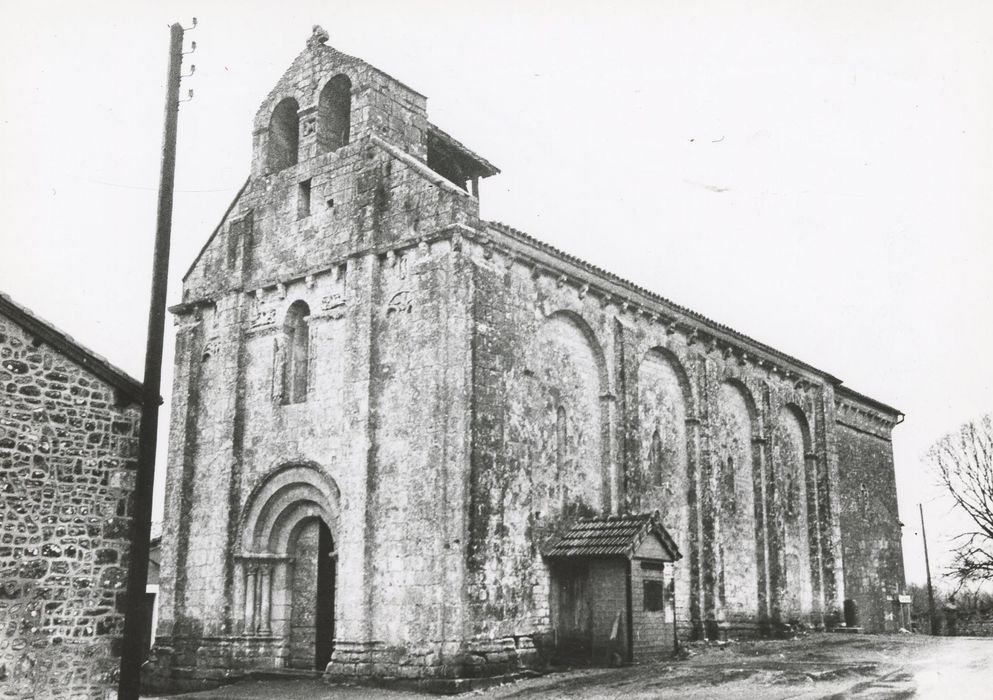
x=68, y=446
x=387, y=411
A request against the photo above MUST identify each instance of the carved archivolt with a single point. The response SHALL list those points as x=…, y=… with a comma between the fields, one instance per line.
x=276, y=511
x=277, y=506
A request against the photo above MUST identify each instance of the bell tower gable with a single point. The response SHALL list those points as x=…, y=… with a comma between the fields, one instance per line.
x=326, y=100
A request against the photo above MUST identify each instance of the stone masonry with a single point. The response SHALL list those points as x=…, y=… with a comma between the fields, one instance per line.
x=68, y=441
x=359, y=355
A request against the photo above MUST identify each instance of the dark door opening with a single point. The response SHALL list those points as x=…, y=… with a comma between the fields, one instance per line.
x=312, y=596
x=324, y=611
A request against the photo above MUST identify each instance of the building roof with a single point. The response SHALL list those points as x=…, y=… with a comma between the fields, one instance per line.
x=481, y=167
x=851, y=394
x=65, y=344
x=677, y=309
x=611, y=536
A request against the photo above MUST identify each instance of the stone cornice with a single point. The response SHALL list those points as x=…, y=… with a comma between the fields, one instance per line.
x=497, y=243
x=865, y=418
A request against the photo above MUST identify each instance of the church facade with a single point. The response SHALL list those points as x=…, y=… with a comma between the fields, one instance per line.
x=386, y=412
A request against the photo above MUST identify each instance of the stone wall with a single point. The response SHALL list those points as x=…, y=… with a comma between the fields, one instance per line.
x=869, y=516
x=731, y=448
x=381, y=420
x=660, y=476
x=974, y=628
x=67, y=468
x=652, y=630
x=378, y=267
x=734, y=503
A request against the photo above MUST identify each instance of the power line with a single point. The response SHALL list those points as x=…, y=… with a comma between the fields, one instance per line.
x=150, y=189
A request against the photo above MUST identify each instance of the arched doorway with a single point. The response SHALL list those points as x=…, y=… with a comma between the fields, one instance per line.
x=289, y=565
x=312, y=588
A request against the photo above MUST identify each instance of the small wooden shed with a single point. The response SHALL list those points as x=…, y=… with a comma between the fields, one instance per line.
x=612, y=589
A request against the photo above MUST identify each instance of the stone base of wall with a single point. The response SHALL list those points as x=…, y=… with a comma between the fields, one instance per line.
x=436, y=666
x=182, y=664
x=722, y=630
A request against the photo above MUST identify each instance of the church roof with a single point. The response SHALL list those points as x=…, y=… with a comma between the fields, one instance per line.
x=554, y=252
x=440, y=137
x=68, y=346
x=614, y=535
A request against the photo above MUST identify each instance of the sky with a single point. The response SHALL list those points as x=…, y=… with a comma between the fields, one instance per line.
x=813, y=174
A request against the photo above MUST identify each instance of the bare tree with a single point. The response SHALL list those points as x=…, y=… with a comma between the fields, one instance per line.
x=964, y=462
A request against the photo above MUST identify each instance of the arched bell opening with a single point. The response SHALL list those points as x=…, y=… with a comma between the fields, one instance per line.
x=284, y=135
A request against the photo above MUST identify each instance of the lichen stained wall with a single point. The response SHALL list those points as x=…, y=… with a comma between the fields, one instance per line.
x=734, y=503
x=375, y=260
x=733, y=447
x=660, y=477
x=541, y=450
x=790, y=446
x=870, y=520
x=418, y=461
x=68, y=454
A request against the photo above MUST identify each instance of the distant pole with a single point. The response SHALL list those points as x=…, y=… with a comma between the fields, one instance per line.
x=135, y=625
x=927, y=567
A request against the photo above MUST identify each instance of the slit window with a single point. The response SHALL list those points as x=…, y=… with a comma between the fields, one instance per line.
x=303, y=199
x=561, y=437
x=296, y=353
x=655, y=466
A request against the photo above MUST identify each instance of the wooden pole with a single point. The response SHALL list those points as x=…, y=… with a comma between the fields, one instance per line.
x=135, y=624
x=927, y=567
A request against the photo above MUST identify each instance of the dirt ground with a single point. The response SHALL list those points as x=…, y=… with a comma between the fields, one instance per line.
x=815, y=666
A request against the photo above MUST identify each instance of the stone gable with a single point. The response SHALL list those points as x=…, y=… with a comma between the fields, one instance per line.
x=68, y=448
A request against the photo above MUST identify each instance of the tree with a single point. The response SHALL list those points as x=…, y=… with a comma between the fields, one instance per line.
x=963, y=461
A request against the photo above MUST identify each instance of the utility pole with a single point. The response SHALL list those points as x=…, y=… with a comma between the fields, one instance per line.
x=927, y=567
x=135, y=623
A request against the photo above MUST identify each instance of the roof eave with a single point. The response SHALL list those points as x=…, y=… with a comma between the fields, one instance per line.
x=129, y=387
x=484, y=167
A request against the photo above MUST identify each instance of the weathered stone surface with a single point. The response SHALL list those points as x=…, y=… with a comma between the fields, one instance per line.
x=447, y=395
x=66, y=478
x=871, y=546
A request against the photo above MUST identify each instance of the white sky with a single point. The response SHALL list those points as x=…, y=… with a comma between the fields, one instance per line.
x=815, y=175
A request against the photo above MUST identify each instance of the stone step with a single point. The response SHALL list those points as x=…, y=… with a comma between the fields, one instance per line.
x=277, y=674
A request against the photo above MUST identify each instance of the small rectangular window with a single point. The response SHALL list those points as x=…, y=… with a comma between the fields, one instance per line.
x=654, y=596
x=303, y=199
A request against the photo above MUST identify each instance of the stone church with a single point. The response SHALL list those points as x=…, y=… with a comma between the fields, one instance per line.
x=394, y=424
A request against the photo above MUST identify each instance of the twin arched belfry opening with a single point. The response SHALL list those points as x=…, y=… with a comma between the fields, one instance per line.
x=288, y=563
x=333, y=128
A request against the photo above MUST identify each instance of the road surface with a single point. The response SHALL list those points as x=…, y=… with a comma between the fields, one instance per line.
x=815, y=666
